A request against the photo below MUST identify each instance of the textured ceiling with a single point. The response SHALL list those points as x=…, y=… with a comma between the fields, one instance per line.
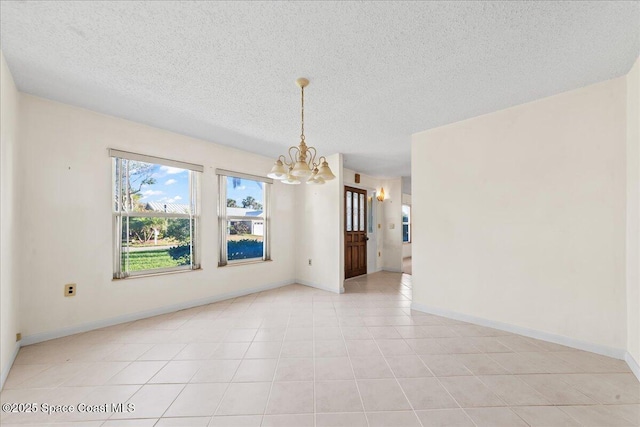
x=379, y=72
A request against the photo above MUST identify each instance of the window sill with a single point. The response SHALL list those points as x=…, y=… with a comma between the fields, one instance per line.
x=237, y=263
x=162, y=273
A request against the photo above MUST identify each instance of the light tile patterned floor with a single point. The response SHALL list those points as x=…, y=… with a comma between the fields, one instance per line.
x=297, y=356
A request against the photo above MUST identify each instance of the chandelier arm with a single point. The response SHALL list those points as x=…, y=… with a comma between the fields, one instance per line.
x=283, y=159
x=312, y=158
x=292, y=157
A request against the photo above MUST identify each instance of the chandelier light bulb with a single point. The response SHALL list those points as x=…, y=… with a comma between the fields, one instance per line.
x=325, y=172
x=301, y=169
x=278, y=171
x=290, y=179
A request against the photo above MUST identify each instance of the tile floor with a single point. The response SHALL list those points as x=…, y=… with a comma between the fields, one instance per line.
x=297, y=356
x=406, y=265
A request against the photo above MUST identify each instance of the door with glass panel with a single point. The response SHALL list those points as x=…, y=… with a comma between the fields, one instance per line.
x=355, y=232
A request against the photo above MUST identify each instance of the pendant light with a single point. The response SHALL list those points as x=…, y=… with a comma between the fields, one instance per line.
x=301, y=164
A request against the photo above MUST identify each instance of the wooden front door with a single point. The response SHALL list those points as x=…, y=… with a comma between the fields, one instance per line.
x=355, y=232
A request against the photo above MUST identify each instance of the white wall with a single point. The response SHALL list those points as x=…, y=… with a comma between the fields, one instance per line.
x=633, y=212
x=65, y=225
x=319, y=222
x=406, y=247
x=392, y=225
x=9, y=291
x=519, y=216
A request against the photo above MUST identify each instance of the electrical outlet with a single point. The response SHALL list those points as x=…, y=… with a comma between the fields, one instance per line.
x=18, y=336
x=309, y=261
x=70, y=290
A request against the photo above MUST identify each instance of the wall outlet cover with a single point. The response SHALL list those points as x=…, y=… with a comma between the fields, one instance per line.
x=70, y=290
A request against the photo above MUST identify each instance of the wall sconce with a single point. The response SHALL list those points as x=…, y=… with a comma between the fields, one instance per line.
x=380, y=196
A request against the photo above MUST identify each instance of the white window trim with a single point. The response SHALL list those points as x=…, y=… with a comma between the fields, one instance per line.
x=120, y=216
x=153, y=159
x=223, y=218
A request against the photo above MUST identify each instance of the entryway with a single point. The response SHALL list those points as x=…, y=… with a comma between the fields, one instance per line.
x=355, y=232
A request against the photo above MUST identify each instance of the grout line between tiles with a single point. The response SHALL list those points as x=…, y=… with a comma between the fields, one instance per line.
x=275, y=372
x=355, y=379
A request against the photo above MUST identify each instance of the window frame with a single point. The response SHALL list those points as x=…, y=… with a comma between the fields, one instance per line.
x=407, y=223
x=121, y=214
x=223, y=218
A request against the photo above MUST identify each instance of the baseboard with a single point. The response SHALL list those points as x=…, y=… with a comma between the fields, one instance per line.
x=392, y=270
x=317, y=286
x=633, y=364
x=616, y=353
x=7, y=367
x=89, y=326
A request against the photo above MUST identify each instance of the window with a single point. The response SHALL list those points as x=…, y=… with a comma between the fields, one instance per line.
x=406, y=223
x=155, y=215
x=243, y=217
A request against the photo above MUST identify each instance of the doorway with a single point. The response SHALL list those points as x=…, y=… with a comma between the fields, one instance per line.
x=355, y=232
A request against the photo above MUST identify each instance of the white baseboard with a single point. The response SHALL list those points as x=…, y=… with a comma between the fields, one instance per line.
x=89, y=326
x=393, y=270
x=633, y=364
x=317, y=286
x=616, y=353
x=7, y=367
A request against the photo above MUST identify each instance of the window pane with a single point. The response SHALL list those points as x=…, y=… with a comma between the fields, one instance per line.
x=406, y=211
x=245, y=239
x=243, y=203
x=151, y=241
x=244, y=197
x=349, y=211
x=157, y=243
x=152, y=187
x=361, y=212
x=405, y=232
x=356, y=212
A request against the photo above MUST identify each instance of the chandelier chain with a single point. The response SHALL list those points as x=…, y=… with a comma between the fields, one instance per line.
x=302, y=114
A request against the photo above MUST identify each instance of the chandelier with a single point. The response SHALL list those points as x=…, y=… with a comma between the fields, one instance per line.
x=301, y=164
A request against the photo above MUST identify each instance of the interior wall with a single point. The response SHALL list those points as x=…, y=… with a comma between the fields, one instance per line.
x=392, y=225
x=9, y=290
x=66, y=226
x=406, y=185
x=519, y=217
x=406, y=247
x=633, y=213
x=319, y=224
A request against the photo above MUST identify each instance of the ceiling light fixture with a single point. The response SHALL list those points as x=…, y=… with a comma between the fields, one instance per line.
x=301, y=164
